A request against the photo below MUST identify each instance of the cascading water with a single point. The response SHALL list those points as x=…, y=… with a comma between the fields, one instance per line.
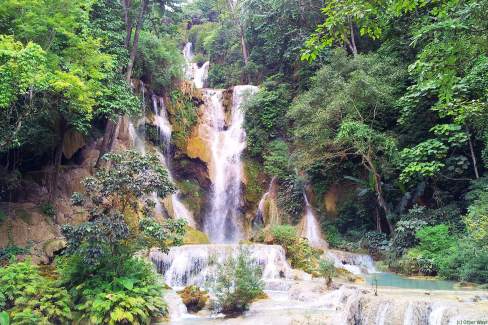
x=260, y=213
x=196, y=264
x=227, y=143
x=165, y=130
x=311, y=227
x=193, y=72
x=354, y=263
x=226, y=139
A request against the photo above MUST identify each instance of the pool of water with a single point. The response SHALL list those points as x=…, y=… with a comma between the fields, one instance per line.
x=394, y=280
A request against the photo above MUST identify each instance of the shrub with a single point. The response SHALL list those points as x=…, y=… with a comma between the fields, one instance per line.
x=290, y=197
x=126, y=293
x=327, y=270
x=194, y=298
x=376, y=242
x=42, y=303
x=48, y=209
x=10, y=251
x=469, y=262
x=238, y=283
x=31, y=298
x=432, y=253
x=300, y=253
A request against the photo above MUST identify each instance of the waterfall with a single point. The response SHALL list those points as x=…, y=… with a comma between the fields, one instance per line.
x=164, y=130
x=227, y=141
x=381, y=313
x=260, y=213
x=436, y=316
x=192, y=71
x=311, y=227
x=354, y=263
x=196, y=264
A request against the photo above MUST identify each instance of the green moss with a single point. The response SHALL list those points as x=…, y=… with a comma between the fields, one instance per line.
x=254, y=189
x=194, y=236
x=194, y=298
x=183, y=119
x=3, y=216
x=193, y=195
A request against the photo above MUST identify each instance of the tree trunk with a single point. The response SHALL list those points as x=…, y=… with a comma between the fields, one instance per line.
x=245, y=52
x=135, y=43
x=58, y=155
x=108, y=139
x=379, y=191
x=126, y=4
x=473, y=156
x=351, y=43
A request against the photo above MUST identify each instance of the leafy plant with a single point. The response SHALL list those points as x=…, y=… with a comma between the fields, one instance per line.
x=238, y=283
x=31, y=298
x=327, y=270
x=194, y=298
x=300, y=253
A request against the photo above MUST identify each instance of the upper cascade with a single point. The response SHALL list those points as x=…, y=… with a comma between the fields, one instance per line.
x=194, y=72
x=225, y=137
x=311, y=227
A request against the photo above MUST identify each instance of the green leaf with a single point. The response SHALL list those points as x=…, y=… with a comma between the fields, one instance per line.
x=4, y=319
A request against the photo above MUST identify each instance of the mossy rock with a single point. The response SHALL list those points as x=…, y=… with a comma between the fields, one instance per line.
x=193, y=298
x=194, y=236
x=254, y=188
x=52, y=246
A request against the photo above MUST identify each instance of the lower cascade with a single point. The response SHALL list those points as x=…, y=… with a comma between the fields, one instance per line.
x=196, y=264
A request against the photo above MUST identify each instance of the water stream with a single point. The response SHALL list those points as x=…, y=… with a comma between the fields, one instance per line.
x=311, y=227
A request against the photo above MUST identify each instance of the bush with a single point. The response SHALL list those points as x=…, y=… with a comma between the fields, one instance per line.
x=31, y=298
x=126, y=293
x=158, y=60
x=327, y=270
x=194, y=298
x=432, y=254
x=276, y=160
x=10, y=251
x=238, y=283
x=300, y=253
x=469, y=262
x=375, y=242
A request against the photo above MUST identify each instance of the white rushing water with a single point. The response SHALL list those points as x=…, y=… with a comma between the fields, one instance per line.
x=192, y=71
x=196, y=264
x=311, y=227
x=355, y=263
x=165, y=130
x=260, y=213
x=228, y=140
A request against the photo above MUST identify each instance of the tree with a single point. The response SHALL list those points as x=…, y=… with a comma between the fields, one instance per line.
x=117, y=223
x=238, y=283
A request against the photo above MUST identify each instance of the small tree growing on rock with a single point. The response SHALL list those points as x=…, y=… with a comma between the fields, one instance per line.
x=238, y=283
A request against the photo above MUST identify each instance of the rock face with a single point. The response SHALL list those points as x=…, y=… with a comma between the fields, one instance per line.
x=26, y=226
x=32, y=223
